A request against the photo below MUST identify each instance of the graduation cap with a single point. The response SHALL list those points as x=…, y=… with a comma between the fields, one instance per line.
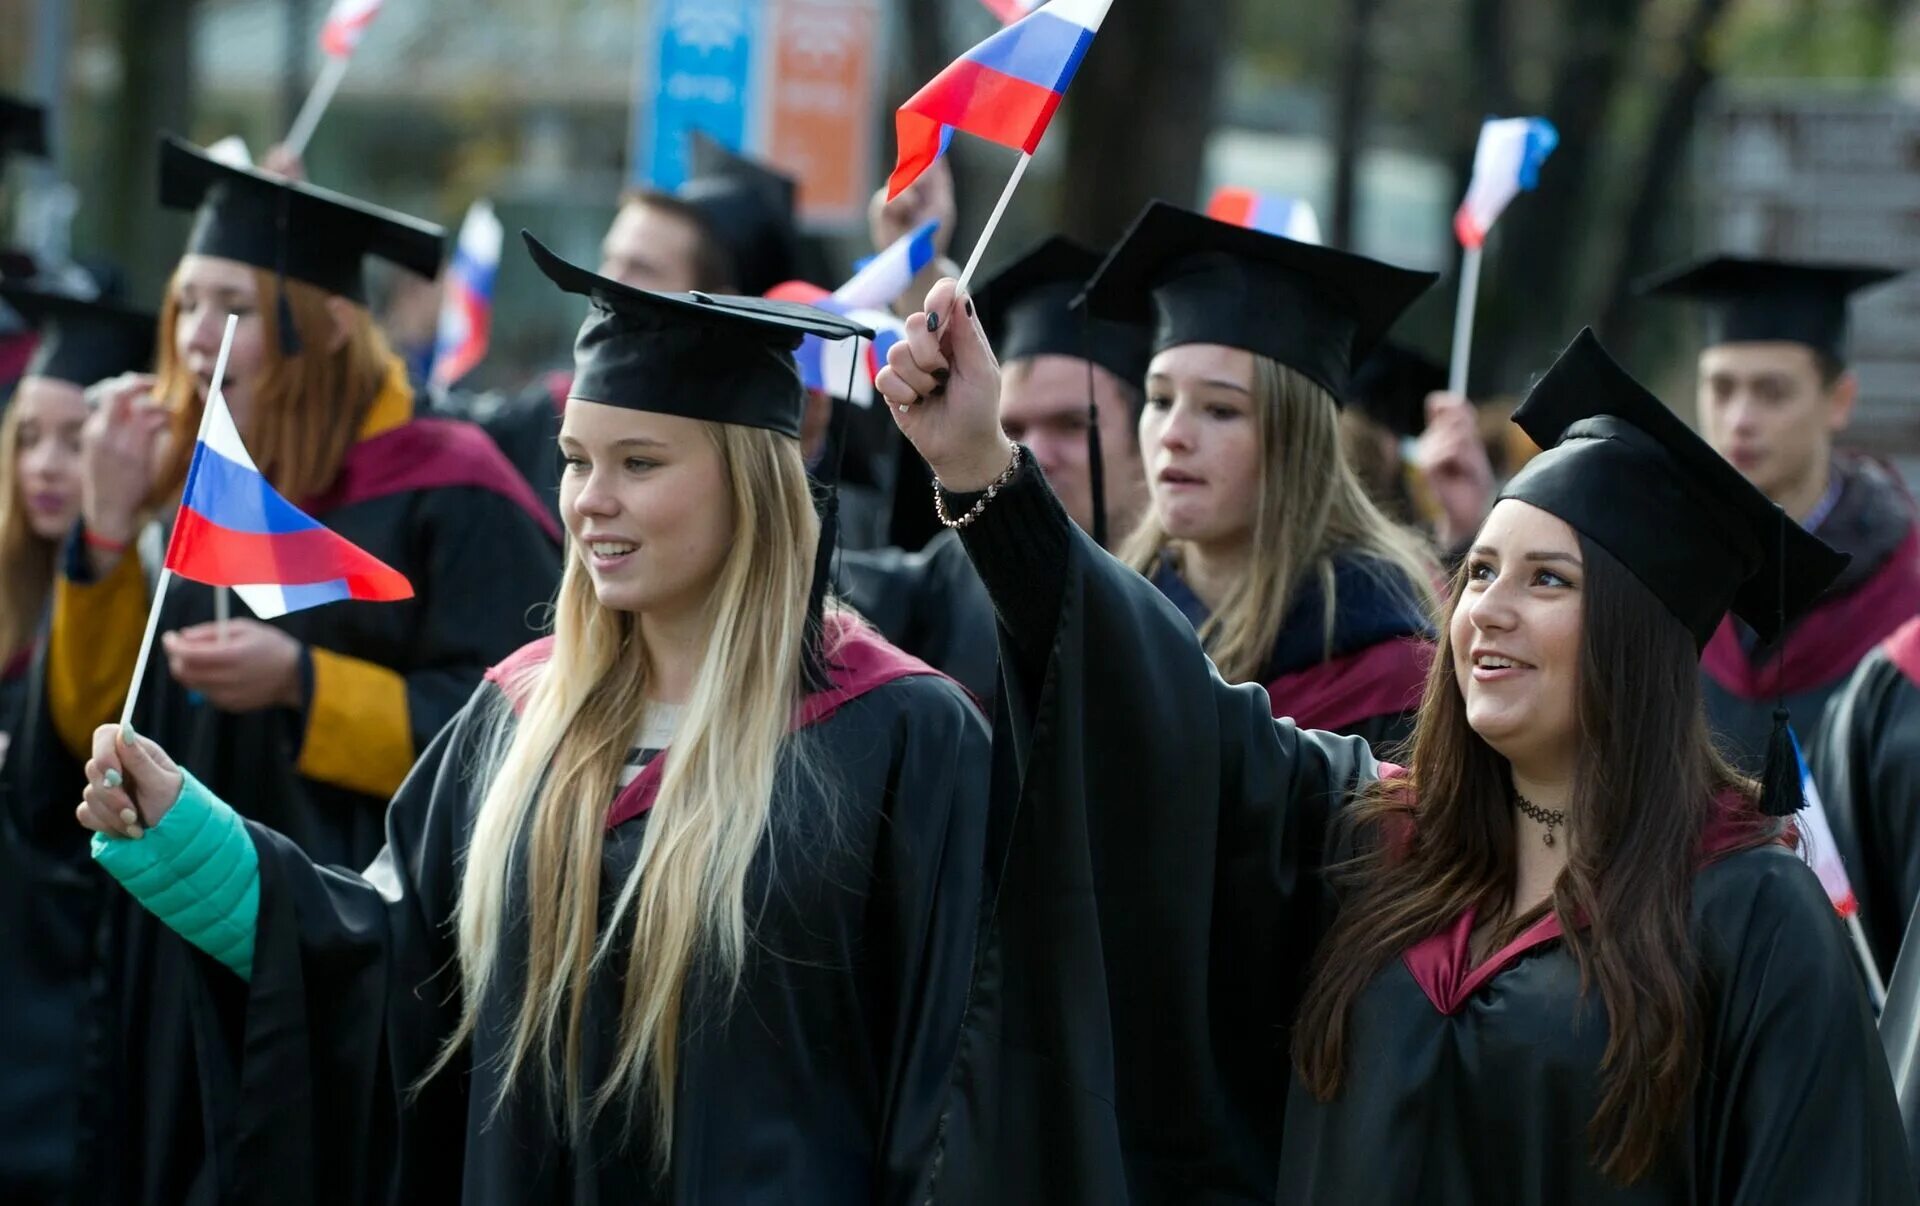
x=1772, y=301
x=82, y=341
x=23, y=127
x=748, y=208
x=1391, y=387
x=288, y=227
x=1625, y=472
x=1028, y=309
x=718, y=359
x=1316, y=310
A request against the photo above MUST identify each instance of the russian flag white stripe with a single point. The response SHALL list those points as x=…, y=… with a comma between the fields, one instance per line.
x=1085, y=13
x=222, y=436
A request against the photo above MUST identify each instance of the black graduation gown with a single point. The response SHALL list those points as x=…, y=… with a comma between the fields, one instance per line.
x=822, y=1082
x=1127, y=1039
x=1867, y=766
x=1874, y=521
x=525, y=426
x=930, y=604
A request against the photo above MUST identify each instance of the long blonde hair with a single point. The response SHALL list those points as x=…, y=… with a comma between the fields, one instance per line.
x=1311, y=507
x=26, y=560
x=307, y=408
x=684, y=903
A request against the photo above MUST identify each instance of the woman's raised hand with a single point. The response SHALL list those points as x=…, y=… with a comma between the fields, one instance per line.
x=120, y=445
x=942, y=385
x=131, y=783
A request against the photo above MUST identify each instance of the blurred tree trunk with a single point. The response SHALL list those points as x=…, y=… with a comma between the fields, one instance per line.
x=154, y=42
x=1531, y=289
x=1142, y=105
x=1659, y=173
x=1350, y=117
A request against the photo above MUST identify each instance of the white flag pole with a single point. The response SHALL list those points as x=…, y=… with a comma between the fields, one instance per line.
x=993, y=222
x=1463, y=321
x=222, y=612
x=331, y=73
x=166, y=574
x=1876, y=987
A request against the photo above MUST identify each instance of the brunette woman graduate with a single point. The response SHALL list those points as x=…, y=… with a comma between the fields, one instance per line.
x=681, y=906
x=1257, y=527
x=1568, y=955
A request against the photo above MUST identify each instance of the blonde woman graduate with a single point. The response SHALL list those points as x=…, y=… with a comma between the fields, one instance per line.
x=680, y=908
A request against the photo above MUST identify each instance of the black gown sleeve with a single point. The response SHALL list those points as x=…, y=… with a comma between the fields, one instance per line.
x=1155, y=884
x=313, y=1062
x=1797, y=1102
x=1866, y=762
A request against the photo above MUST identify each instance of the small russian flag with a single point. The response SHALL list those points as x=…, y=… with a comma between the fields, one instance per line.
x=466, y=309
x=1010, y=11
x=1826, y=854
x=881, y=280
x=829, y=366
x=1005, y=89
x=1288, y=217
x=1505, y=164
x=347, y=23
x=234, y=529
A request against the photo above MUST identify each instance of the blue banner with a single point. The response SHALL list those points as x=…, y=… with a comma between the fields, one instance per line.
x=701, y=54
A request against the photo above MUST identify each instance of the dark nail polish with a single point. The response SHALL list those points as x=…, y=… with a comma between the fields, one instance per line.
x=939, y=391
x=969, y=307
x=933, y=322
x=941, y=375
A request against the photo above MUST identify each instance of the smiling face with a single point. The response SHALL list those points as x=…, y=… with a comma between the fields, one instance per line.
x=1516, y=635
x=46, y=470
x=205, y=290
x=648, y=505
x=1200, y=439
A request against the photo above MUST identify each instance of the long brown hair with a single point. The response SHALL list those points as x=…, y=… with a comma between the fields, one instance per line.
x=1441, y=841
x=26, y=560
x=1310, y=507
x=307, y=408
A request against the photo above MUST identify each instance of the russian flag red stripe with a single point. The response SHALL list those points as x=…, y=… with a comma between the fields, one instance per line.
x=206, y=552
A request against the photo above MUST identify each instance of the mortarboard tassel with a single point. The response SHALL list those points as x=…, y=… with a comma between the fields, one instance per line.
x=283, y=309
x=826, y=496
x=1780, y=794
x=1096, y=463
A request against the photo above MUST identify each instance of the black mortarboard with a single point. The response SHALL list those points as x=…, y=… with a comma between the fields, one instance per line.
x=1197, y=280
x=1027, y=310
x=23, y=128
x=82, y=341
x=1626, y=472
x=721, y=359
x=1391, y=387
x=749, y=208
x=288, y=227
x=1771, y=301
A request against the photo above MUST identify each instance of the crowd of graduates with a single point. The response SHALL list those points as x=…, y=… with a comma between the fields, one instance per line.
x=1147, y=742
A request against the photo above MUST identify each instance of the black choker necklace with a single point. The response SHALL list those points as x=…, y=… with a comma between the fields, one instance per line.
x=1550, y=817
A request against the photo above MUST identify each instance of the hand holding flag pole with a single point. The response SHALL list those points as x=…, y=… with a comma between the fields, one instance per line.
x=1505, y=163
x=1006, y=90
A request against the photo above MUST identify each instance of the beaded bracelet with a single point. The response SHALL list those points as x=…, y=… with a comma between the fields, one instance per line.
x=980, y=504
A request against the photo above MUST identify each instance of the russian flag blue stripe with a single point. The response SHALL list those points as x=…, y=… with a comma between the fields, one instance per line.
x=238, y=498
x=1042, y=50
x=314, y=594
